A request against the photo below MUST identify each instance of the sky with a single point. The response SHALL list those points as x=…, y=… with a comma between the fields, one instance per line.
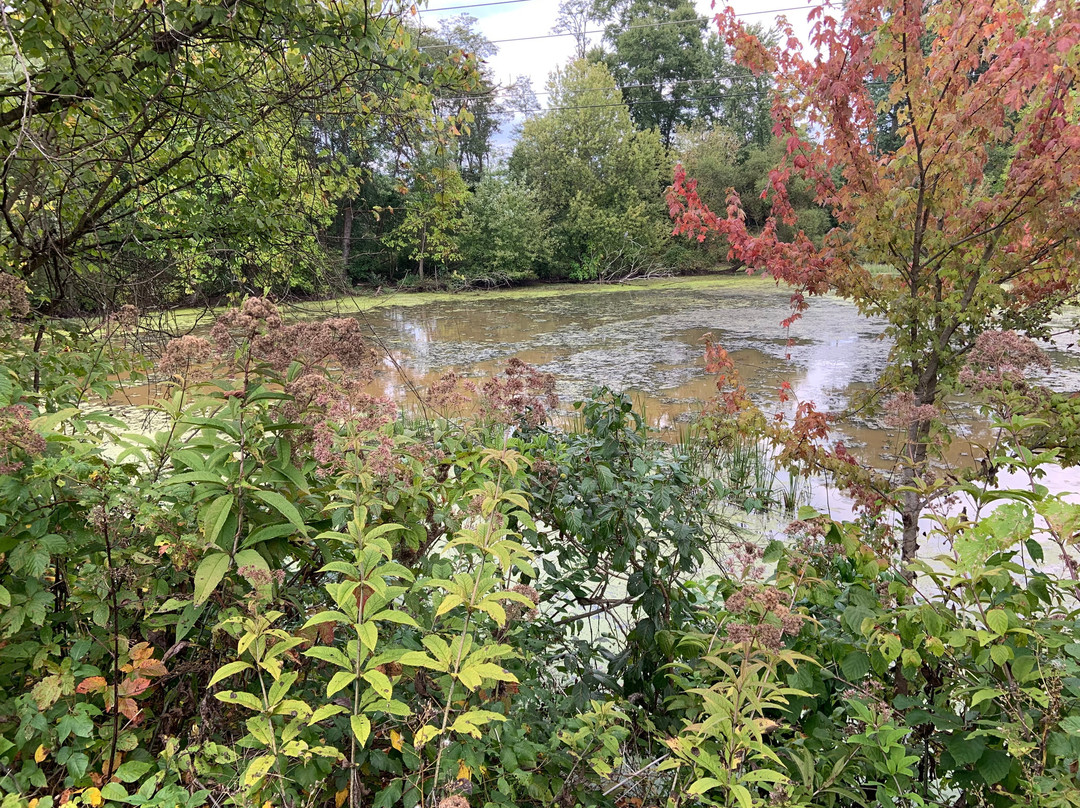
x=537, y=58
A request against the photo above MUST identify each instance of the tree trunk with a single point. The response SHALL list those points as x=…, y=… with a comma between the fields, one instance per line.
x=915, y=451
x=423, y=248
x=346, y=236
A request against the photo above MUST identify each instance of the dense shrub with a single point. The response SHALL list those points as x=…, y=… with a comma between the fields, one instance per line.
x=285, y=594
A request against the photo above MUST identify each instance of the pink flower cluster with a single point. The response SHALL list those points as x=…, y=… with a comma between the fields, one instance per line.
x=18, y=440
x=1001, y=356
x=902, y=411
x=185, y=354
x=764, y=602
x=350, y=421
x=521, y=393
x=257, y=326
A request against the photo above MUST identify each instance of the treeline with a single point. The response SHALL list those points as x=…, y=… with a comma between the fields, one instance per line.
x=164, y=155
x=579, y=196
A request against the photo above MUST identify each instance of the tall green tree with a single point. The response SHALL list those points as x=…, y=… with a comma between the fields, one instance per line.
x=658, y=58
x=599, y=178
x=158, y=131
x=428, y=233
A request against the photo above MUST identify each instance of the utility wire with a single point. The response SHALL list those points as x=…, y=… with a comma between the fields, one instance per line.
x=472, y=5
x=695, y=20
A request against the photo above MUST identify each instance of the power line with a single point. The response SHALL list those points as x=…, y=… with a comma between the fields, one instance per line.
x=714, y=97
x=695, y=20
x=622, y=87
x=473, y=5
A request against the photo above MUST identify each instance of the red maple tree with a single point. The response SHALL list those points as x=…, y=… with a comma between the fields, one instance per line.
x=972, y=200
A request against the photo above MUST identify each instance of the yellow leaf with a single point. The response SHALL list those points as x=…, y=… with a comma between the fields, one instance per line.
x=395, y=739
x=93, y=796
x=340, y=797
x=33, y=803
x=463, y=771
x=268, y=804
x=41, y=754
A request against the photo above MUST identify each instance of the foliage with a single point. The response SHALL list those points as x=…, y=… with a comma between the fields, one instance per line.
x=504, y=233
x=598, y=177
x=283, y=593
x=972, y=203
x=178, y=136
x=433, y=206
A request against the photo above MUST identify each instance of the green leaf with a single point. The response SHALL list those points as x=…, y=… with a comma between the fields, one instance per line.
x=195, y=477
x=984, y=694
x=326, y=617
x=369, y=635
x=742, y=794
x=339, y=680
x=855, y=666
x=325, y=712
x=703, y=784
x=114, y=792
x=1001, y=654
x=257, y=769
x=209, y=574
x=227, y=670
x=379, y=682
x=997, y=621
x=239, y=697
x=361, y=727
x=335, y=656
x=966, y=749
x=214, y=516
x=132, y=770
x=282, y=506
x=993, y=766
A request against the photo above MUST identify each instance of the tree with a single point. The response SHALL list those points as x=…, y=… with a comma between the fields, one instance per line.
x=975, y=244
x=574, y=18
x=658, y=58
x=597, y=176
x=163, y=133
x=483, y=115
x=504, y=235
x=433, y=209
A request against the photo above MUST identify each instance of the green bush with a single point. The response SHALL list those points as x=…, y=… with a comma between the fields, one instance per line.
x=284, y=593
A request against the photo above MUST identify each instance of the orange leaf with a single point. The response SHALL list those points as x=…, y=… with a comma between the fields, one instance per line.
x=92, y=684
x=129, y=708
x=133, y=687
x=340, y=797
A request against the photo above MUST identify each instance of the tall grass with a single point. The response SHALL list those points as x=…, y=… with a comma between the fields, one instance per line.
x=743, y=465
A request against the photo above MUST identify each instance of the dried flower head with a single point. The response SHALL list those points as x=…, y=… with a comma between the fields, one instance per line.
x=13, y=299
x=515, y=610
x=126, y=317
x=454, y=801
x=902, y=411
x=521, y=394
x=18, y=440
x=1002, y=356
x=185, y=356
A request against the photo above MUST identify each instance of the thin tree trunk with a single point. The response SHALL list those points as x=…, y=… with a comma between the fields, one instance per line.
x=346, y=236
x=423, y=248
x=916, y=450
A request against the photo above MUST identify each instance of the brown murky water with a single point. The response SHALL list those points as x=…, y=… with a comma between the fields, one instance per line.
x=647, y=340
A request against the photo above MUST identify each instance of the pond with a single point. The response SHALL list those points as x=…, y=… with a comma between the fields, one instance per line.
x=646, y=339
